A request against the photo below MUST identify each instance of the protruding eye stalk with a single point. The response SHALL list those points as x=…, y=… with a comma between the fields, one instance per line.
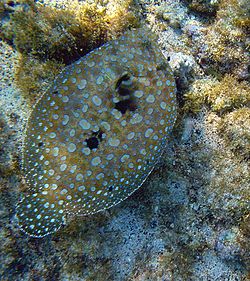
x=124, y=89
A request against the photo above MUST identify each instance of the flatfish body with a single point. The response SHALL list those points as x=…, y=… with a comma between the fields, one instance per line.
x=93, y=138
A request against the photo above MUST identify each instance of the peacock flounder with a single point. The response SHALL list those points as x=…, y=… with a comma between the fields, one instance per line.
x=93, y=138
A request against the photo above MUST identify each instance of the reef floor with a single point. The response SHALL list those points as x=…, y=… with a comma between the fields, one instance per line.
x=190, y=220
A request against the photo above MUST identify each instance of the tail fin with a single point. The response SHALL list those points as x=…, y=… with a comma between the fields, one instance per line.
x=37, y=217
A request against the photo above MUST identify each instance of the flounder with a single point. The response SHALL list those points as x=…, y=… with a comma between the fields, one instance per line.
x=93, y=138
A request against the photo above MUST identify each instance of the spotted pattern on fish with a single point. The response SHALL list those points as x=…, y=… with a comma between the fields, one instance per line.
x=93, y=138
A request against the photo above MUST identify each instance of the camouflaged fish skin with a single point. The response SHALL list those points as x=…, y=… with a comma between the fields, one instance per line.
x=93, y=138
